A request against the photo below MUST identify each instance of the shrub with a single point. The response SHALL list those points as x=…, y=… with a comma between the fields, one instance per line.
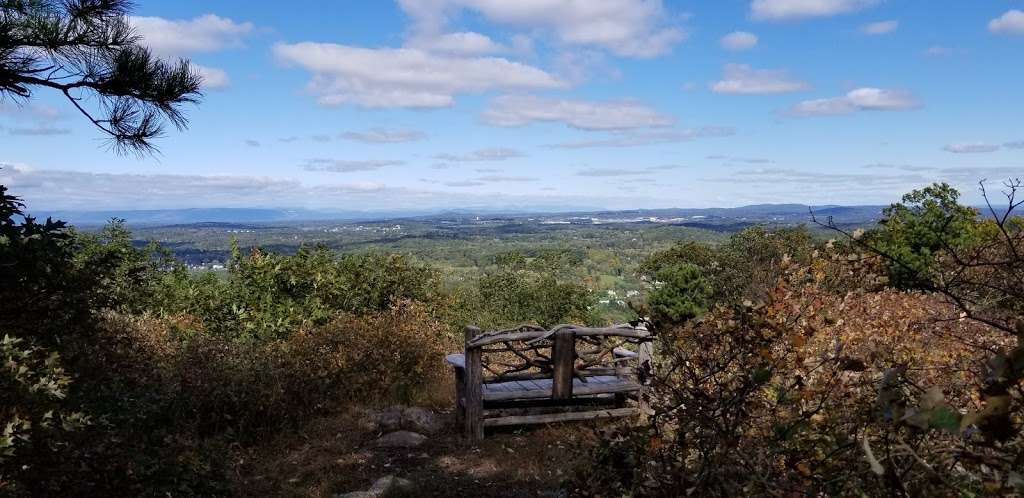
x=269, y=296
x=815, y=393
x=217, y=385
x=520, y=291
x=33, y=387
x=123, y=277
x=683, y=294
x=743, y=269
x=41, y=296
x=926, y=223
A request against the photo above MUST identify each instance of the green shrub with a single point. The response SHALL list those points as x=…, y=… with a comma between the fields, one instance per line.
x=33, y=411
x=924, y=224
x=267, y=296
x=683, y=294
x=744, y=268
x=42, y=296
x=521, y=291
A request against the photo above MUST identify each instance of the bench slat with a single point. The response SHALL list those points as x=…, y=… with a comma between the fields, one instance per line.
x=541, y=388
x=559, y=417
x=457, y=360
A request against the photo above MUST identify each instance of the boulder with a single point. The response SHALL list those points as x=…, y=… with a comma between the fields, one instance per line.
x=421, y=420
x=389, y=420
x=400, y=439
x=382, y=488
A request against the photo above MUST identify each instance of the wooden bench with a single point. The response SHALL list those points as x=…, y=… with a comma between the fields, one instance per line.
x=530, y=375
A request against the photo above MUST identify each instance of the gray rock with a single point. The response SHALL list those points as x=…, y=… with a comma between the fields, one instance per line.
x=382, y=488
x=422, y=420
x=400, y=439
x=389, y=420
x=388, y=485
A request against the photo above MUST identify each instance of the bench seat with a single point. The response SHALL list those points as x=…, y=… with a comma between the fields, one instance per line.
x=531, y=375
x=541, y=388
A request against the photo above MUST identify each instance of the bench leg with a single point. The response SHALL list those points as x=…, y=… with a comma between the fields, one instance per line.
x=473, y=395
x=460, y=394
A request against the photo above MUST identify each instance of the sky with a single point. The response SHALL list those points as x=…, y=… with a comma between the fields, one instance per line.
x=551, y=104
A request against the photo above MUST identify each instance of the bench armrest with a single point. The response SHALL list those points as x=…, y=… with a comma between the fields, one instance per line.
x=457, y=360
x=621, y=352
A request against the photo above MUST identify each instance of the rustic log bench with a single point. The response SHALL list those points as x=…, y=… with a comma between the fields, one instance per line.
x=531, y=375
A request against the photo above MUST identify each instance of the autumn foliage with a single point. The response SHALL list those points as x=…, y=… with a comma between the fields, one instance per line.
x=836, y=384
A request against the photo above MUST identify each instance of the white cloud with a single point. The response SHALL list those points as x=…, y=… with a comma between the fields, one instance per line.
x=614, y=172
x=383, y=136
x=631, y=28
x=880, y=28
x=506, y=179
x=521, y=110
x=213, y=78
x=348, y=166
x=38, y=131
x=30, y=111
x=636, y=139
x=739, y=40
x=461, y=43
x=971, y=148
x=464, y=183
x=1010, y=23
x=744, y=80
x=404, y=77
x=32, y=119
x=1019, y=144
x=177, y=38
x=611, y=172
x=492, y=154
x=861, y=99
x=171, y=39
x=784, y=10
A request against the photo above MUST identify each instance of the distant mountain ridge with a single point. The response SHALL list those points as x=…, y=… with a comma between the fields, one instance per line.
x=757, y=213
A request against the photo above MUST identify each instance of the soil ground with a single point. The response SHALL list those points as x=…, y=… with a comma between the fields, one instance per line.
x=336, y=455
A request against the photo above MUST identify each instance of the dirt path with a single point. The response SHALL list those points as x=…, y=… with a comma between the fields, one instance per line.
x=338, y=454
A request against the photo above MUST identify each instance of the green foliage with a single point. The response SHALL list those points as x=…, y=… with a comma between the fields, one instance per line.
x=682, y=294
x=525, y=291
x=33, y=386
x=40, y=295
x=926, y=222
x=744, y=268
x=268, y=296
x=123, y=277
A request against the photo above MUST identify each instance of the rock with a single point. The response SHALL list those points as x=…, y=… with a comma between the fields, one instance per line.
x=390, y=420
x=400, y=439
x=422, y=420
x=382, y=488
x=388, y=485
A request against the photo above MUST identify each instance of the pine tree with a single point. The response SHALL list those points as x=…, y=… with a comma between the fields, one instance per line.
x=88, y=51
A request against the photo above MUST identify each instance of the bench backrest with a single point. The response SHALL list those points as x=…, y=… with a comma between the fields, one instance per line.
x=560, y=354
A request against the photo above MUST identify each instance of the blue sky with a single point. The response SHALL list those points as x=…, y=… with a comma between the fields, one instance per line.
x=549, y=104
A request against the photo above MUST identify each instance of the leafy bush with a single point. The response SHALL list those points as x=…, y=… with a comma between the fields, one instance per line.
x=744, y=268
x=123, y=277
x=269, y=296
x=217, y=385
x=926, y=223
x=33, y=386
x=683, y=294
x=40, y=293
x=817, y=393
x=522, y=291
